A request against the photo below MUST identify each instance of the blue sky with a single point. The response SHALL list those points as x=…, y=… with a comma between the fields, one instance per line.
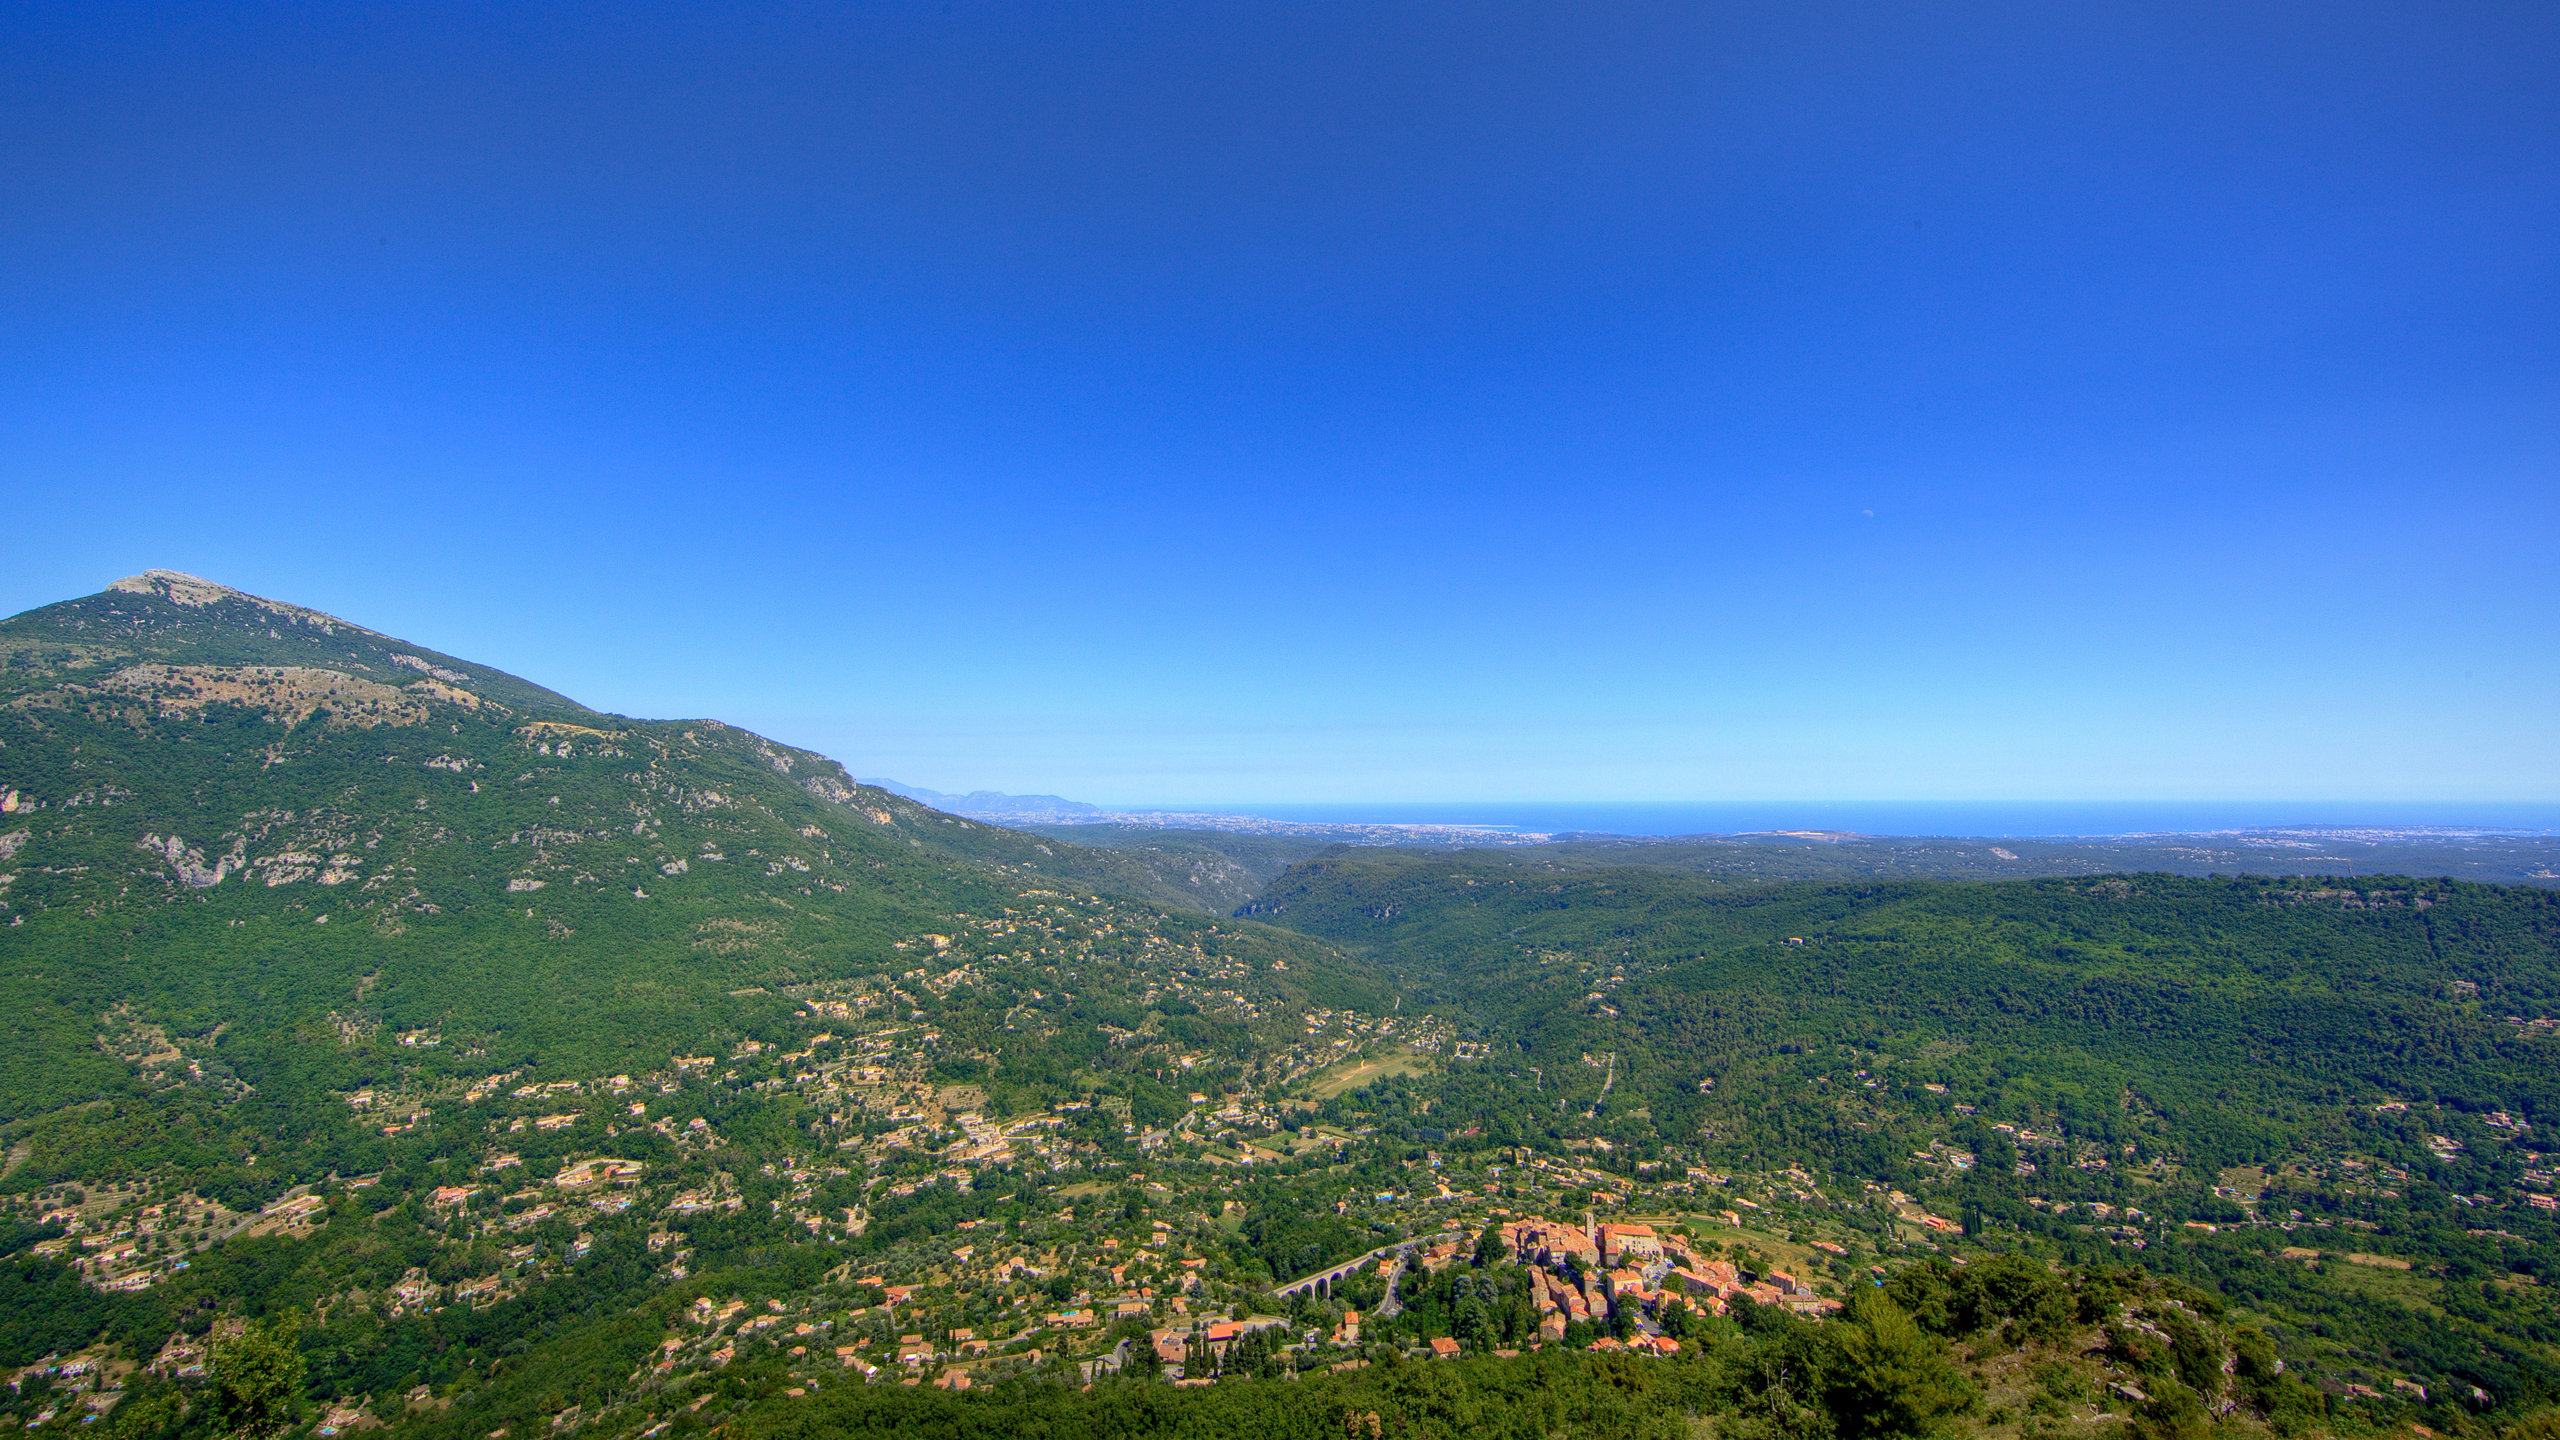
x=1161, y=403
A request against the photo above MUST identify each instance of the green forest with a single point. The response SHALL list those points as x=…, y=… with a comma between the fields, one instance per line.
x=390, y=1043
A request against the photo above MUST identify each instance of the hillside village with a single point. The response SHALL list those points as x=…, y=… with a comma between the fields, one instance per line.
x=1108, y=1245
x=1112, y=1238
x=1075, y=1237
x=680, y=1076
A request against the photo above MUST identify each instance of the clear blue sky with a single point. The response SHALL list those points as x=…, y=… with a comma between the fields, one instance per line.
x=1152, y=402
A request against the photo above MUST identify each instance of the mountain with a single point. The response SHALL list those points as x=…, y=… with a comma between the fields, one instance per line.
x=483, y=1064
x=1223, y=868
x=211, y=632
x=993, y=804
x=1171, y=864
x=234, y=826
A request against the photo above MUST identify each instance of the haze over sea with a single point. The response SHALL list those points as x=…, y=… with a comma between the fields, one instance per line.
x=1989, y=818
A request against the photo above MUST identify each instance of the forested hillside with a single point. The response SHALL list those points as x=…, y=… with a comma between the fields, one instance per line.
x=1211, y=869
x=389, y=1042
x=473, y=1045
x=299, y=913
x=2230, y=999
x=401, y=869
x=2210, y=1072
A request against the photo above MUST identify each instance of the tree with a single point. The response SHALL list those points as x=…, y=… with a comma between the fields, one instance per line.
x=1143, y=1362
x=257, y=1377
x=1887, y=1379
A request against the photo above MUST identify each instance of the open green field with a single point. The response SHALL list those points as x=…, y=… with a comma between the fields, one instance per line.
x=1368, y=1070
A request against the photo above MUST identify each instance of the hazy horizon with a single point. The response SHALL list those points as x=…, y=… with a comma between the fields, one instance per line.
x=1973, y=818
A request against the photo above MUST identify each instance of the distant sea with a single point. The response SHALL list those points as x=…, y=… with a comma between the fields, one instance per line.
x=1989, y=819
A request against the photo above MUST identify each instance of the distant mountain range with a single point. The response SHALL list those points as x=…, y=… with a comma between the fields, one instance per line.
x=994, y=804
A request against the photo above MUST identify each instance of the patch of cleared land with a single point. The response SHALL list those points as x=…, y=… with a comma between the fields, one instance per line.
x=1352, y=1076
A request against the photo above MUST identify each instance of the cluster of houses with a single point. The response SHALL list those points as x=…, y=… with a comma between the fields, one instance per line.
x=1586, y=1276
x=119, y=1243
x=84, y=1385
x=1202, y=1345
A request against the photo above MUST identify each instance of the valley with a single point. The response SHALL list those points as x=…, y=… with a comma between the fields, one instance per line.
x=525, y=1069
